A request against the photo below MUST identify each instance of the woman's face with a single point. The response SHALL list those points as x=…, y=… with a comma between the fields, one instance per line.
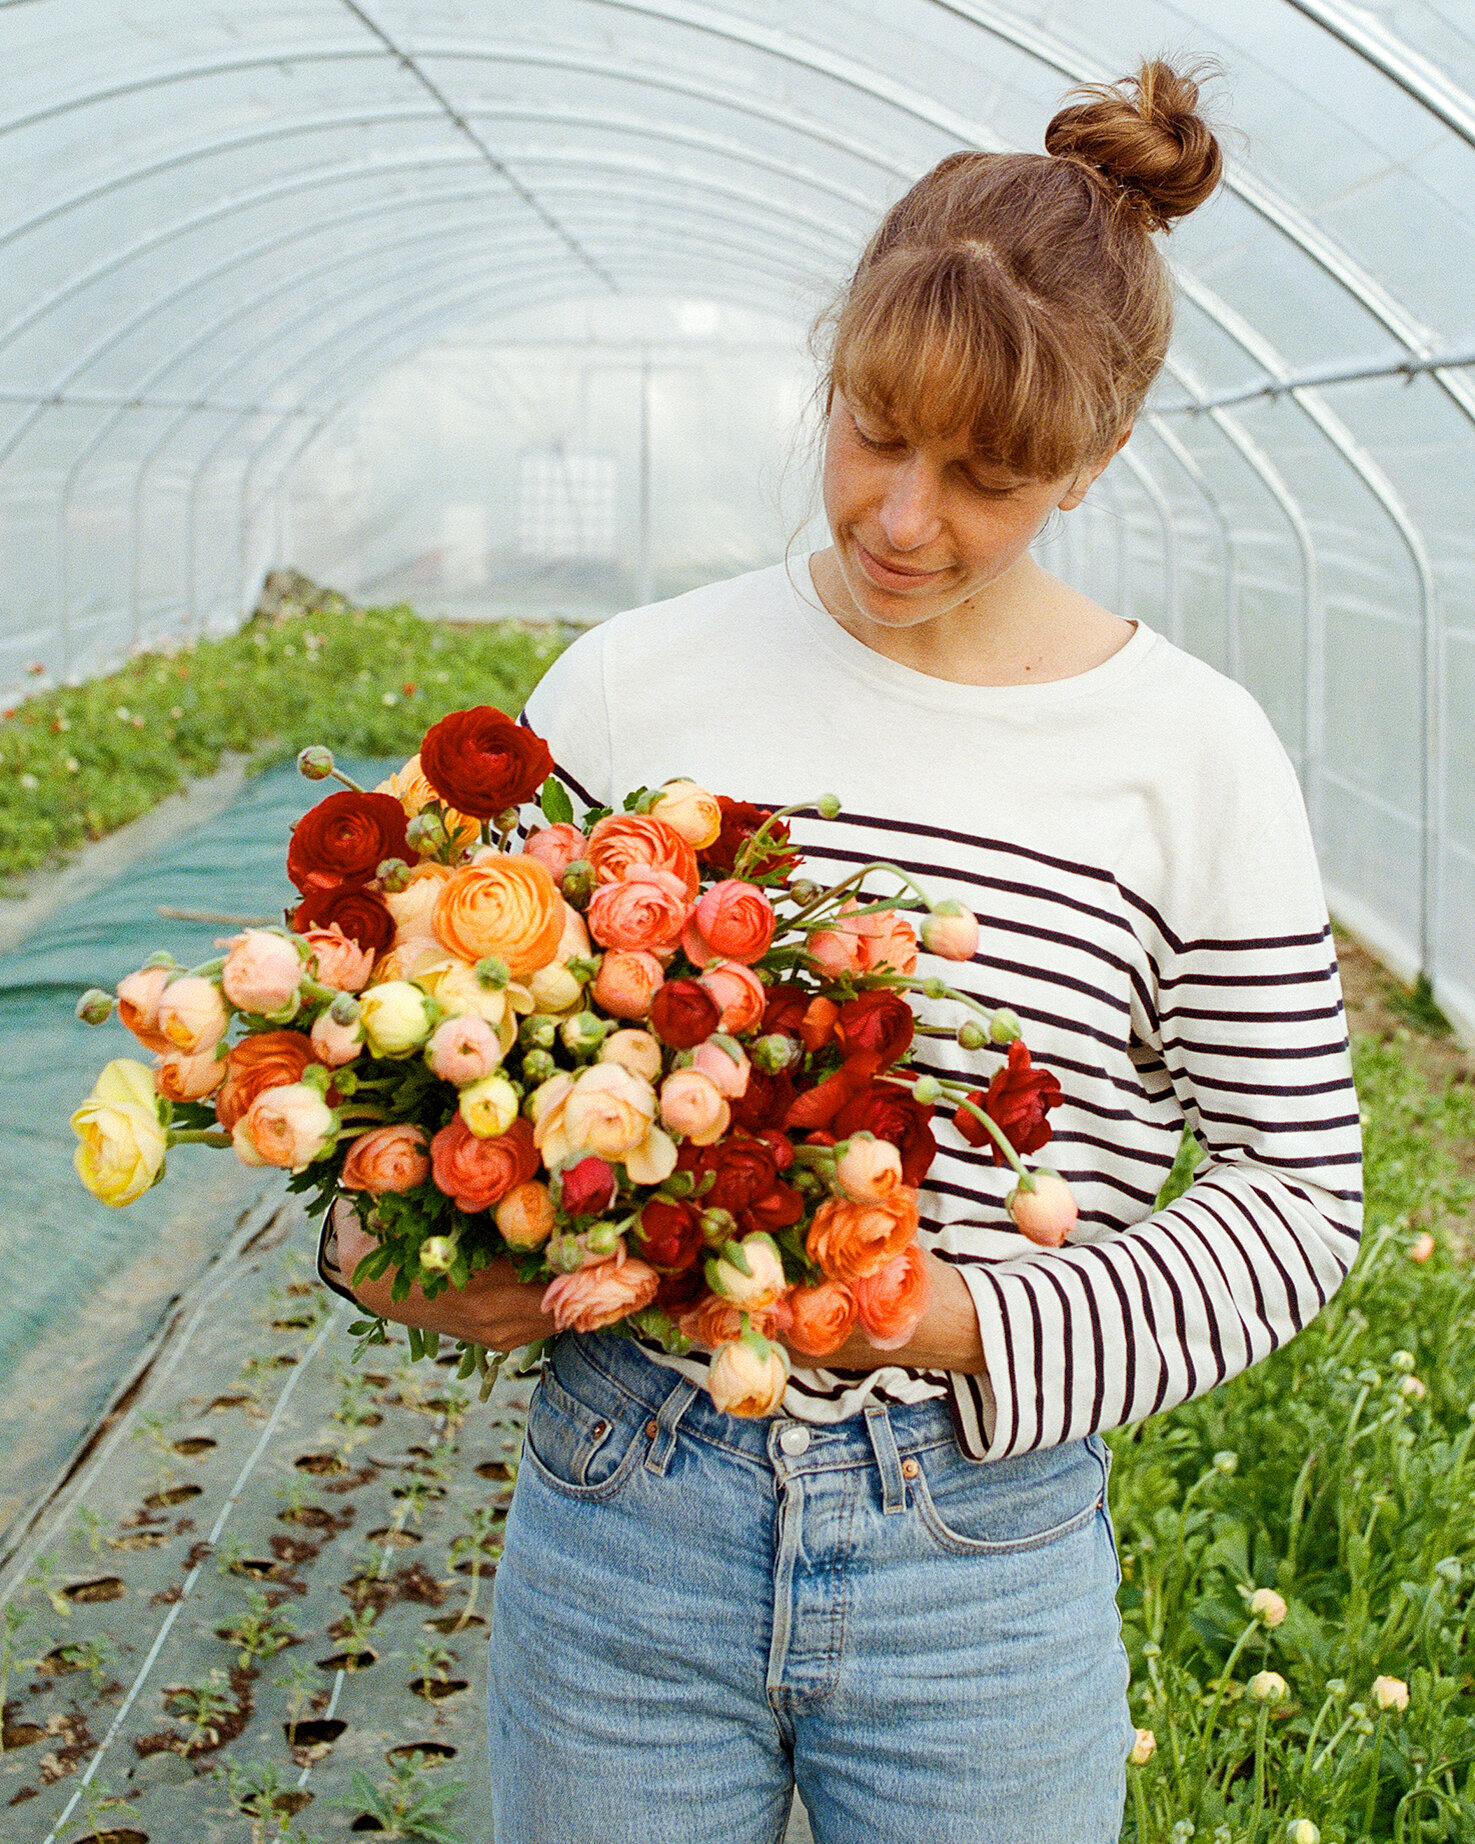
x=920, y=529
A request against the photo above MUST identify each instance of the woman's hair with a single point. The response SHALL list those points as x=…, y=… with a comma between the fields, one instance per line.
x=1020, y=297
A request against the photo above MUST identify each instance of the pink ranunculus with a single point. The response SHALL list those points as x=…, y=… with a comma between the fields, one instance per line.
x=693, y=1106
x=868, y=1171
x=192, y=1014
x=735, y=920
x=463, y=1049
x=556, y=846
x=739, y=994
x=636, y=1051
x=341, y=963
x=727, y=1066
x=891, y=1301
x=835, y=952
x=263, y=973
x=1046, y=1213
x=626, y=982
x=646, y=911
x=335, y=1044
x=138, y=1005
x=600, y=1294
x=178, y=1077
x=573, y=943
x=587, y=1187
x=392, y=1158
x=287, y=1126
x=951, y=931
x=886, y=939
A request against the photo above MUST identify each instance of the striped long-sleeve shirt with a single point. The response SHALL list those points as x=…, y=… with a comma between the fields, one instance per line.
x=1135, y=847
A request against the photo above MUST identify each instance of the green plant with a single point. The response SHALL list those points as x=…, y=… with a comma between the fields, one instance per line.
x=86, y=1529
x=409, y=1806
x=45, y=1579
x=13, y=1621
x=90, y=1655
x=478, y=1545
x=263, y=1798
x=261, y=1632
x=204, y=1705
x=155, y=1433
x=300, y=1684
x=433, y=1661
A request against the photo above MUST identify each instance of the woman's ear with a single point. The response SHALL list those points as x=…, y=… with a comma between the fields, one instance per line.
x=1086, y=477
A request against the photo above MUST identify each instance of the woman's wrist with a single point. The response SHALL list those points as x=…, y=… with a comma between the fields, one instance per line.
x=946, y=1337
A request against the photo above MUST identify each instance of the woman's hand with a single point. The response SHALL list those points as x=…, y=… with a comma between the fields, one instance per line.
x=496, y=1309
x=946, y=1338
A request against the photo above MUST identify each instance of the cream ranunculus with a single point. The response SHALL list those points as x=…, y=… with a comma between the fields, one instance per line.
x=396, y=1018
x=748, y=1376
x=489, y=1106
x=122, y=1142
x=460, y=994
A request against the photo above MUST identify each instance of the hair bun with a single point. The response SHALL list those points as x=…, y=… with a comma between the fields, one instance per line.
x=1144, y=134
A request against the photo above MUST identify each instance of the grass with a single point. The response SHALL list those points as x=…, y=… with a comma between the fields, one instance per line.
x=77, y=762
x=1340, y=1473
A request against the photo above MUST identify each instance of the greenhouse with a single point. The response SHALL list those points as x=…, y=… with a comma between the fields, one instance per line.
x=354, y=358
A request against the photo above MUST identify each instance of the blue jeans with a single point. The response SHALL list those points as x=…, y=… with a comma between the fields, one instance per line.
x=694, y=1613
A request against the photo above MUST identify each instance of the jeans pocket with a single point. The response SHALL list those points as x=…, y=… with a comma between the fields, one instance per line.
x=584, y=1451
x=1010, y=1505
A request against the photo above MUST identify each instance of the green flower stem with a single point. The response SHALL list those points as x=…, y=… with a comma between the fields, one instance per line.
x=1139, y=1802
x=1372, y=1779
x=1316, y=1728
x=337, y=774
x=1206, y=1733
x=198, y=1136
x=836, y=892
x=1261, y=1725
x=958, y=1092
x=903, y=982
x=1321, y=1759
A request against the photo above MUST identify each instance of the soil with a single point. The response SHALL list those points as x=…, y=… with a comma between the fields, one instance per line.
x=1372, y=995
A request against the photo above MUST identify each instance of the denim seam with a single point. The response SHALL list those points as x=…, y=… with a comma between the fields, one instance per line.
x=958, y=1544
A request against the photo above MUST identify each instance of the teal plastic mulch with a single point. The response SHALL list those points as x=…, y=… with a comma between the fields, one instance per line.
x=58, y=1246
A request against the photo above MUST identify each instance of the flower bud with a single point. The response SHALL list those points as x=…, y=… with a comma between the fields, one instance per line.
x=1268, y=1687
x=1403, y=1361
x=750, y=1273
x=603, y=1238
x=1004, y=1026
x=682, y=1184
x=538, y=1066
x=315, y=763
x=1265, y=1604
x=934, y=988
x=396, y=1018
x=748, y=1376
x=718, y=1226
x=972, y=1035
x=505, y=820
x=335, y=1044
x=489, y=1106
x=1226, y=1462
x=583, y=967
x=492, y=972
x=345, y=1009
x=583, y=1033
x=426, y=832
x=1422, y=1246
x=393, y=876
x=525, y=1216
x=437, y=1253
x=578, y=883
x=927, y=1089
x=1302, y=1831
x=95, y=1006
x=1413, y=1388
x=868, y=1170
x=1143, y=1748
x=636, y=1051
x=1045, y=1212
x=192, y=1013
x=950, y=931
x=827, y=806
x=463, y=1049
x=1390, y=1693
x=537, y=1033
x=773, y=1053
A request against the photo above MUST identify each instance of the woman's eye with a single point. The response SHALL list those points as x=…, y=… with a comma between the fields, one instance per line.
x=878, y=444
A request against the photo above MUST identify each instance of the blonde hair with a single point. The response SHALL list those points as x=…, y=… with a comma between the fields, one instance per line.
x=1020, y=297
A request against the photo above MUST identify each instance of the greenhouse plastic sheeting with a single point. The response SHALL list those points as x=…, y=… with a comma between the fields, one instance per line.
x=497, y=306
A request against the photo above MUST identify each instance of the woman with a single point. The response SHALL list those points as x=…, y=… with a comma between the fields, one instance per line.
x=899, y=1591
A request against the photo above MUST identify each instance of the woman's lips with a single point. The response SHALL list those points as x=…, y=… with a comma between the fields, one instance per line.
x=888, y=576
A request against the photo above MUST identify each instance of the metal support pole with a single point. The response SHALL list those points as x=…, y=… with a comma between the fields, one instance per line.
x=644, y=589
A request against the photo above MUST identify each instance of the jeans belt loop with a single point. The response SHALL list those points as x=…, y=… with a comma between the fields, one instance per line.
x=888, y=1460
x=663, y=1442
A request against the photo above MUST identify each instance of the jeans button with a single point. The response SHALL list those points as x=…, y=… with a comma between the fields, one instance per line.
x=794, y=1439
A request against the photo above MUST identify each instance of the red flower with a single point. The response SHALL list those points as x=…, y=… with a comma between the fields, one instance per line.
x=742, y=1169
x=777, y=1209
x=818, y=1106
x=878, y=1022
x=683, y=1014
x=764, y=1102
x=344, y=839
x=480, y=761
x=740, y=820
x=360, y=913
x=1017, y=1099
x=669, y=1234
x=891, y=1114
x=587, y=1188
x=681, y=1289
x=787, y=1004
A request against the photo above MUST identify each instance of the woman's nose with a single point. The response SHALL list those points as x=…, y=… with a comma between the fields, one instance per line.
x=910, y=513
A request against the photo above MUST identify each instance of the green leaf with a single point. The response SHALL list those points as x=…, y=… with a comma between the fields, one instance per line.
x=558, y=809
x=1189, y=1157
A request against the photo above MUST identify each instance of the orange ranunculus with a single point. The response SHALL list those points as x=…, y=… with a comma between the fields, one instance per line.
x=823, y=1318
x=391, y=1158
x=849, y=1241
x=271, y=1059
x=643, y=913
x=410, y=788
x=508, y=906
x=624, y=840
x=739, y=993
x=138, y=1006
x=178, y=1077
x=894, y=1298
x=713, y=1320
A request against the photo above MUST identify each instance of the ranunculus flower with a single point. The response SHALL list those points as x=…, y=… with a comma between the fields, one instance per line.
x=587, y=1187
x=887, y=940
x=344, y=839
x=849, y=1241
x=413, y=908
x=482, y=762
x=1018, y=1098
x=488, y=1106
x=669, y=1233
x=458, y=991
x=748, y=1376
x=683, y=1014
x=390, y=1158
x=178, y=1077
x=506, y=905
x=891, y=1113
x=603, y=1110
x=1265, y=1604
x=868, y=1170
x=288, y=1126
x=395, y=1018
x=644, y=912
x=121, y=1141
x=784, y=1007
x=951, y=931
x=1046, y=1213
x=192, y=1014
x=744, y=1169
x=463, y=1049
x=740, y=820
x=525, y=1216
x=600, y=1294
x=733, y=921
x=836, y=952
x=693, y=812
x=263, y=971
x=138, y=1006
x=556, y=993
x=817, y=1026
x=823, y=1317
x=762, y=1287
x=739, y=993
x=1144, y=1746
x=713, y=1321
x=765, y=1101
x=573, y=941
x=1268, y=1687
x=335, y=1044
x=270, y=1059
x=818, y=1106
x=892, y=1301
x=337, y=961
x=556, y=846
x=636, y=1051
x=1390, y=1693
x=359, y=913
x=1420, y=1249
x=413, y=792
x=627, y=844
x=627, y=981
x=725, y=1064
x=693, y=1106
x=477, y=1173
x=880, y=1023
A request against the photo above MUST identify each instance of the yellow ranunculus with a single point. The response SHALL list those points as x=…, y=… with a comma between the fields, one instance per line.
x=126, y=1079
x=122, y=1141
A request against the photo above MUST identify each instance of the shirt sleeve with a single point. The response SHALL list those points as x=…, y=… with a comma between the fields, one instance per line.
x=569, y=709
x=1251, y=1032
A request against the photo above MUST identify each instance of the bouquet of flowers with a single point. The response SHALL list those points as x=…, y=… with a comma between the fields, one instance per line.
x=641, y=1055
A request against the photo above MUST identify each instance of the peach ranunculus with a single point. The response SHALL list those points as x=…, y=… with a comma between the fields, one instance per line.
x=623, y=841
x=762, y=1285
x=556, y=846
x=645, y=911
x=849, y=1241
x=733, y=921
x=525, y=1216
x=894, y=1298
x=337, y=961
x=637, y=1051
x=739, y=993
x=463, y=1049
x=414, y=958
x=1045, y=1214
x=263, y=972
x=951, y=931
x=693, y=1106
x=508, y=906
x=392, y=1158
x=748, y=1376
x=725, y=1063
x=886, y=938
x=714, y=1321
x=691, y=810
x=835, y=952
x=334, y=1044
x=178, y=1077
x=289, y=1126
x=626, y=982
x=192, y=1014
x=823, y=1317
x=607, y=1111
x=478, y=1173
x=601, y=1293
x=270, y=1059
x=138, y=1005
x=410, y=788
x=413, y=908
x=868, y=1170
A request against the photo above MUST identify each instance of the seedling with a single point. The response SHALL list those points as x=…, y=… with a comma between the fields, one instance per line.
x=153, y=1432
x=300, y=1684
x=477, y=1545
x=204, y=1705
x=357, y=1626
x=90, y=1655
x=98, y=1798
x=433, y=1661
x=44, y=1578
x=408, y=1806
x=263, y=1798
x=87, y=1529
x=261, y=1632
x=12, y=1621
